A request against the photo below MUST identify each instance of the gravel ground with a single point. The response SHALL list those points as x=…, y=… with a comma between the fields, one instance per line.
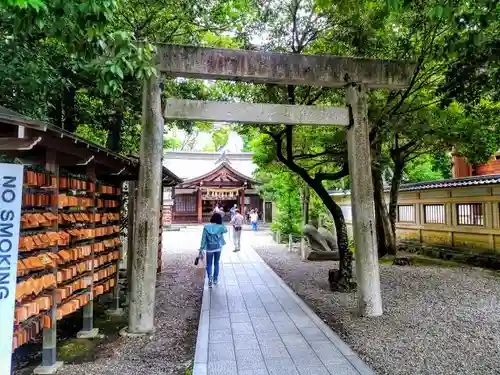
x=436, y=320
x=170, y=350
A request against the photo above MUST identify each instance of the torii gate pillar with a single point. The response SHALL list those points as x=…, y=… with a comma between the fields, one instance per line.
x=363, y=208
x=146, y=229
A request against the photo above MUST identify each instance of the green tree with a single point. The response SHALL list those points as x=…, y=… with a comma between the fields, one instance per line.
x=406, y=124
x=418, y=120
x=421, y=169
x=279, y=185
x=82, y=63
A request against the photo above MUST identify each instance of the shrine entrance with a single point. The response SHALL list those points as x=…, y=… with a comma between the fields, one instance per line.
x=195, y=199
x=225, y=199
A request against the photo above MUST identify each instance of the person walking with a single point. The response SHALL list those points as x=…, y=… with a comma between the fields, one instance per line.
x=233, y=211
x=254, y=219
x=237, y=223
x=212, y=241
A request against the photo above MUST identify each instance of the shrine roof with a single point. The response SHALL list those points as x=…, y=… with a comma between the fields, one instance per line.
x=190, y=165
x=222, y=175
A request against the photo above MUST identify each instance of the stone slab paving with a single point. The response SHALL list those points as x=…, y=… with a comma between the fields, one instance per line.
x=252, y=323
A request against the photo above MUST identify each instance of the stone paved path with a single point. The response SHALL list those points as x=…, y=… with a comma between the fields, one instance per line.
x=253, y=324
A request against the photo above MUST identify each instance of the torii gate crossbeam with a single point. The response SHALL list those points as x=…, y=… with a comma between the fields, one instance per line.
x=254, y=113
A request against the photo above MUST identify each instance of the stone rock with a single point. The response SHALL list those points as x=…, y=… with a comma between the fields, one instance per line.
x=330, y=239
x=323, y=255
x=316, y=240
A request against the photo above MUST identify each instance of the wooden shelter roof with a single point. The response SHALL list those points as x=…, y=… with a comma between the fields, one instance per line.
x=27, y=138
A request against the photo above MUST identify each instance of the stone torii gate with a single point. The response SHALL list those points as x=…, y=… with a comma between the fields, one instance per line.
x=353, y=74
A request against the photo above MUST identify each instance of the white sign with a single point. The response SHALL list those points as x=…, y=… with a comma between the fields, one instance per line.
x=11, y=185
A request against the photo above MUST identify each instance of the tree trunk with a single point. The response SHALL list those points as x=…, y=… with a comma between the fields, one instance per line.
x=394, y=193
x=69, y=109
x=386, y=240
x=306, y=196
x=341, y=280
x=55, y=112
x=113, y=141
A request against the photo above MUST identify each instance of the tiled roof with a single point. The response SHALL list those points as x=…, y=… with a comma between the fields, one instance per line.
x=188, y=165
x=454, y=182
x=440, y=184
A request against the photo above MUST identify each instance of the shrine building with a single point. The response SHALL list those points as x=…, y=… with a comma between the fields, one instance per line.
x=210, y=179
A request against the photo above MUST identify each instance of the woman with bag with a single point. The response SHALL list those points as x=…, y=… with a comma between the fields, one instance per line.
x=212, y=241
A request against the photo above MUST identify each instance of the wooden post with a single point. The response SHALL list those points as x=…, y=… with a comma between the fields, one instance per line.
x=50, y=365
x=160, y=237
x=242, y=204
x=116, y=310
x=145, y=254
x=199, y=205
x=263, y=210
x=132, y=196
x=303, y=254
x=88, y=331
x=358, y=147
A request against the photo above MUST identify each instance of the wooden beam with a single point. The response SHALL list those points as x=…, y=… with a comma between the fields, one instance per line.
x=254, y=113
x=84, y=154
x=281, y=68
x=18, y=144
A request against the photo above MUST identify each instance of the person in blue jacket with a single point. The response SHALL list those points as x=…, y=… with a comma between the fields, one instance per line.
x=212, y=241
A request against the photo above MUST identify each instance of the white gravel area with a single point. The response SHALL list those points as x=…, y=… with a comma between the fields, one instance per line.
x=170, y=350
x=437, y=320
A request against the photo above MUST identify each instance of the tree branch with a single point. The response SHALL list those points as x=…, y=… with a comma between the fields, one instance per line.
x=295, y=34
x=310, y=168
x=333, y=176
x=289, y=143
x=409, y=110
x=310, y=100
x=324, y=153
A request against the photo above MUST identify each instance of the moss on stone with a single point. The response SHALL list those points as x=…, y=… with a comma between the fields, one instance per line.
x=72, y=349
x=420, y=260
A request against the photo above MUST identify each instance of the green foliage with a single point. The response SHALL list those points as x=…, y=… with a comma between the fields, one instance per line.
x=83, y=63
x=23, y=4
x=421, y=169
x=442, y=163
x=287, y=199
x=220, y=137
x=170, y=143
x=319, y=212
x=279, y=186
x=92, y=133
